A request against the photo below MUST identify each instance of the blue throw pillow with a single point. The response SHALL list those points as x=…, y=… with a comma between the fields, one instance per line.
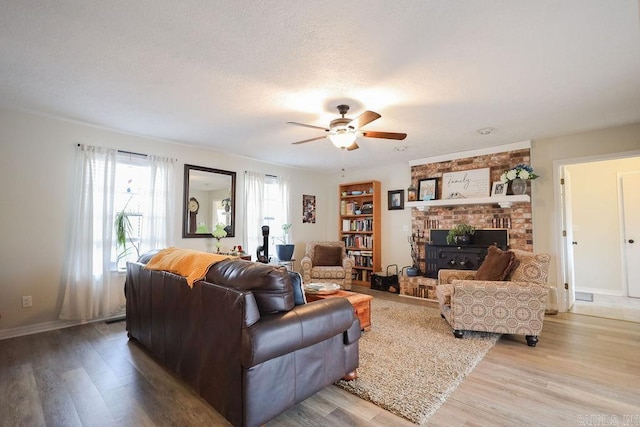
x=298, y=292
x=146, y=257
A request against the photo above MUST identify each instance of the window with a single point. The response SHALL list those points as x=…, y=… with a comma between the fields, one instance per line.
x=266, y=203
x=274, y=216
x=132, y=178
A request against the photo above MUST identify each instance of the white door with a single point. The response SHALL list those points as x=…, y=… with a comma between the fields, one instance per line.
x=567, y=227
x=630, y=184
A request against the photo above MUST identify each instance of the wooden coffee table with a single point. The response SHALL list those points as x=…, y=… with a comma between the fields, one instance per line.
x=360, y=302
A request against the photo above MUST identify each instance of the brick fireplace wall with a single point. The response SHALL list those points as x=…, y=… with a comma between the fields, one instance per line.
x=516, y=219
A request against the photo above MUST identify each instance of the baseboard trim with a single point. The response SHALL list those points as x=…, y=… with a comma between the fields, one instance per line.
x=49, y=326
x=600, y=291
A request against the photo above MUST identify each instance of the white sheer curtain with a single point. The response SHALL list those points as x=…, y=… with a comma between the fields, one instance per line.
x=89, y=290
x=94, y=288
x=159, y=210
x=285, y=207
x=254, y=216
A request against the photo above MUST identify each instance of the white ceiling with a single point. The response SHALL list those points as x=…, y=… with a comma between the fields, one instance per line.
x=229, y=74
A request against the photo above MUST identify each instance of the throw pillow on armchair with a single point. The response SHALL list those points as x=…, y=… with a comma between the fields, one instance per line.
x=327, y=256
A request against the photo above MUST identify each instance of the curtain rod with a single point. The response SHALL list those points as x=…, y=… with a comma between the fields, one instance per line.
x=266, y=174
x=126, y=152
x=132, y=153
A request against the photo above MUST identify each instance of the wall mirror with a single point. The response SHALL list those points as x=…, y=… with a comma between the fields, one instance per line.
x=209, y=199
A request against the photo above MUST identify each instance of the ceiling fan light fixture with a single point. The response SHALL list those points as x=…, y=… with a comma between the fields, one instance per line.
x=343, y=132
x=343, y=138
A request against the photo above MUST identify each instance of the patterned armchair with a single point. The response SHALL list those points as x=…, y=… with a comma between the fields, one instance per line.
x=327, y=262
x=515, y=305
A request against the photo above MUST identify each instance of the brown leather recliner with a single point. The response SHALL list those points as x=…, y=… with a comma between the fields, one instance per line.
x=238, y=339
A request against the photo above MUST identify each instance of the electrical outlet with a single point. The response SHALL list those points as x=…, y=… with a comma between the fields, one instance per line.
x=27, y=301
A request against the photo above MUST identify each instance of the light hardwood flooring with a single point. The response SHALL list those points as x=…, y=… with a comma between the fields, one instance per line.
x=92, y=375
x=609, y=306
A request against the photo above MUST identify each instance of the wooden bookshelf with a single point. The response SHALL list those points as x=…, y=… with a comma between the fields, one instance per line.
x=361, y=231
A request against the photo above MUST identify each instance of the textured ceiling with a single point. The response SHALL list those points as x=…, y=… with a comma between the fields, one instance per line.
x=229, y=74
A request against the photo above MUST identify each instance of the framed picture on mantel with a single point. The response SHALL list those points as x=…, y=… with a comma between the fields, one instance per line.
x=498, y=189
x=428, y=189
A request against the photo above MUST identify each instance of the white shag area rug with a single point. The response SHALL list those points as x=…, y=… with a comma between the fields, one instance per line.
x=410, y=362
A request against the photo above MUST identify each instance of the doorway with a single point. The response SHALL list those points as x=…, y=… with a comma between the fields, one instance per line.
x=599, y=260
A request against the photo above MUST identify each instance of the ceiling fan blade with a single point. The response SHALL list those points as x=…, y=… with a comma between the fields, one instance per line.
x=307, y=126
x=309, y=140
x=386, y=135
x=352, y=147
x=363, y=119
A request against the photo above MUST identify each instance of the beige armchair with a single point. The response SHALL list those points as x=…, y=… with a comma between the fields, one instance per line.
x=513, y=305
x=327, y=262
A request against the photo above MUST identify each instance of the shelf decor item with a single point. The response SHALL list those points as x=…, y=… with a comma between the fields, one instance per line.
x=517, y=178
x=412, y=193
x=518, y=186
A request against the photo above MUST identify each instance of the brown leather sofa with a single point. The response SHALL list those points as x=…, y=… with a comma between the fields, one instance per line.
x=238, y=339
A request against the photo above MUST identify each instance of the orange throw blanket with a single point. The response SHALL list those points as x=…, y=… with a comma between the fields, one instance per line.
x=191, y=264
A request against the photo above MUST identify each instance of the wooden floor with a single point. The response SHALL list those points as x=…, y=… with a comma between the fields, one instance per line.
x=583, y=367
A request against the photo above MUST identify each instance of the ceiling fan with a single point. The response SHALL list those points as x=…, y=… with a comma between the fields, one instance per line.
x=343, y=132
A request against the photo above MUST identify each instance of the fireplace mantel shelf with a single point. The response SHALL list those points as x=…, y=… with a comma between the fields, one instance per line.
x=502, y=201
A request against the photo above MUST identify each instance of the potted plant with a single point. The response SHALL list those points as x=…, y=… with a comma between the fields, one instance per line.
x=284, y=251
x=124, y=232
x=461, y=234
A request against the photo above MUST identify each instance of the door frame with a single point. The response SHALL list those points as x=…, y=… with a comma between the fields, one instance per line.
x=566, y=235
x=623, y=248
x=559, y=241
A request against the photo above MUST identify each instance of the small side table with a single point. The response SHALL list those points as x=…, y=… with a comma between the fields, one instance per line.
x=287, y=264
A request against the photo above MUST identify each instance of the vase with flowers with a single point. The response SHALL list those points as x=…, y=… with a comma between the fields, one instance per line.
x=516, y=178
x=284, y=251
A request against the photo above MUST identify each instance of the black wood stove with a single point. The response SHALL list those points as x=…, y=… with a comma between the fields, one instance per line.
x=439, y=254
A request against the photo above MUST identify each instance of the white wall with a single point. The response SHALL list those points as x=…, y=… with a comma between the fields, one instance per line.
x=596, y=224
x=546, y=157
x=37, y=159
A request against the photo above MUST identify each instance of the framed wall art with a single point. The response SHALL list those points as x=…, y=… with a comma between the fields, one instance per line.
x=466, y=184
x=308, y=209
x=428, y=189
x=396, y=200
